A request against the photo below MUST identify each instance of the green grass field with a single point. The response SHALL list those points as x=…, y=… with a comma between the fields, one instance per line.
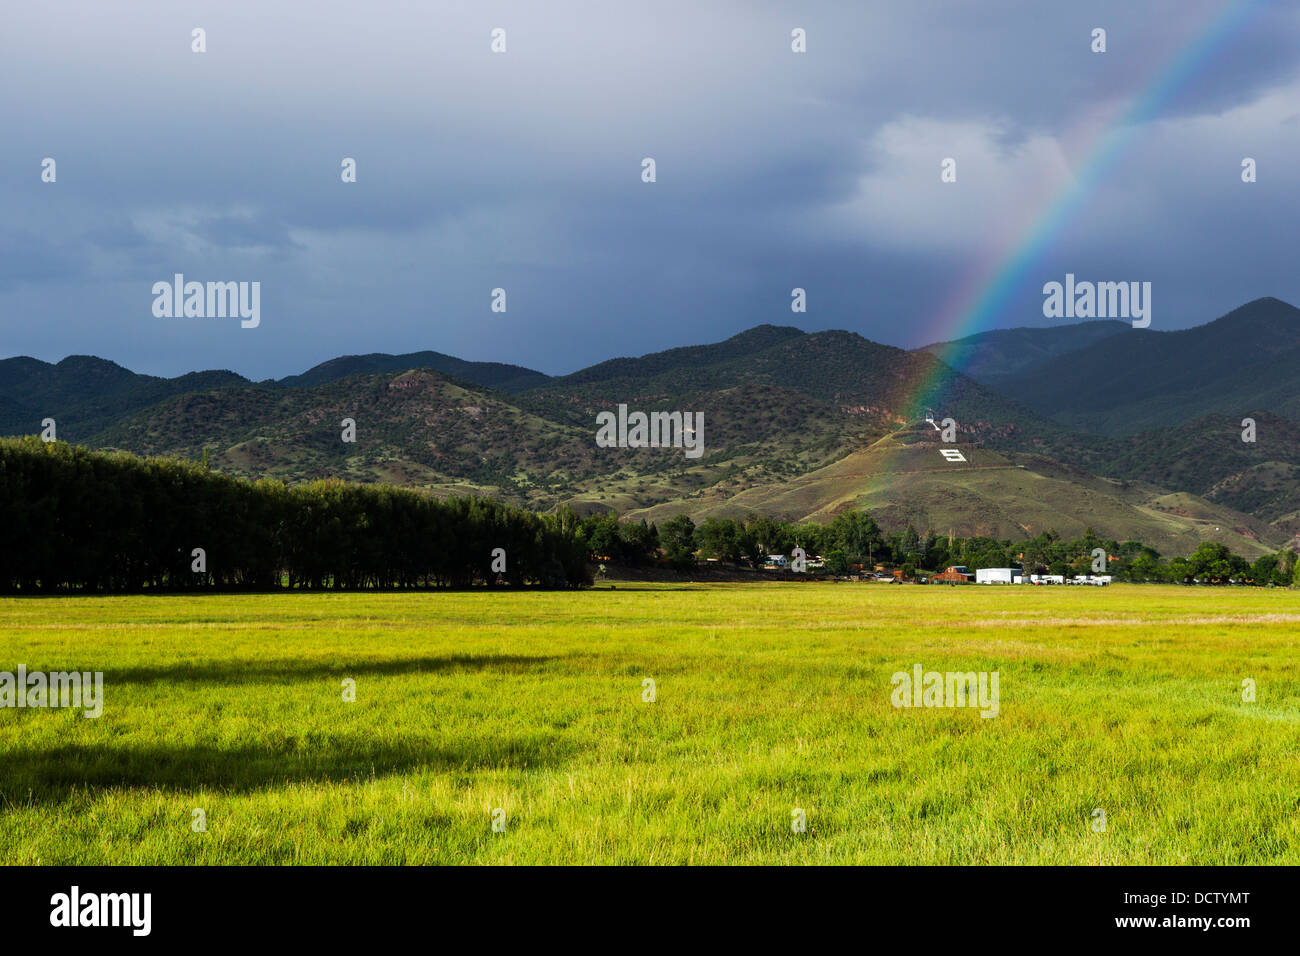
x=770, y=697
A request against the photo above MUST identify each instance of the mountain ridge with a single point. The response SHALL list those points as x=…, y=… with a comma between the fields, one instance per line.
x=1147, y=378
x=780, y=405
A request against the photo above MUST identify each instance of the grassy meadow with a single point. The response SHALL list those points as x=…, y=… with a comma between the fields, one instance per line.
x=769, y=697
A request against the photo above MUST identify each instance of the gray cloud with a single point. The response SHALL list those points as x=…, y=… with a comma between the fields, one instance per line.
x=476, y=171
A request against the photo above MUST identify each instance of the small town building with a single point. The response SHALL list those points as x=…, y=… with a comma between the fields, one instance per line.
x=955, y=574
x=998, y=576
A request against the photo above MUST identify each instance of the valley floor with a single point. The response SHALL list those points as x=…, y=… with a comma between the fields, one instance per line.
x=769, y=699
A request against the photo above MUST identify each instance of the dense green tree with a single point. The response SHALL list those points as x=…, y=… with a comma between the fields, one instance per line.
x=836, y=562
x=1286, y=565
x=1261, y=571
x=73, y=520
x=911, y=543
x=678, y=537
x=772, y=537
x=721, y=538
x=640, y=542
x=857, y=535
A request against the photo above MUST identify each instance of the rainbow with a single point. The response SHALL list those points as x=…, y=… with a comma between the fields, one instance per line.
x=981, y=298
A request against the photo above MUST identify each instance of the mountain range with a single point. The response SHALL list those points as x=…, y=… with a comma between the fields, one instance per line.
x=1135, y=433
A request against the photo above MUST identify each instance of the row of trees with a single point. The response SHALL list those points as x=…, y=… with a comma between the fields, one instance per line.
x=75, y=520
x=854, y=539
x=851, y=538
x=680, y=543
x=1214, y=563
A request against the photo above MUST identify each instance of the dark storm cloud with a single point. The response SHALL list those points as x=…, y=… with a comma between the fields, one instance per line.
x=522, y=170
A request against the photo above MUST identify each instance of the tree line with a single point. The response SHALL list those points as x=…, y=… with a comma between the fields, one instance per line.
x=72, y=520
x=853, y=541
x=82, y=521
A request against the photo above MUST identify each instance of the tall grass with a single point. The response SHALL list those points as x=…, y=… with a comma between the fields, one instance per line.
x=769, y=698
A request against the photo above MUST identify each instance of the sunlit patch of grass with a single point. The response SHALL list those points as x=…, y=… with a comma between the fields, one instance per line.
x=769, y=697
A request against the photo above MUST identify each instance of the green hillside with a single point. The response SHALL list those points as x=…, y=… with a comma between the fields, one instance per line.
x=424, y=429
x=414, y=427
x=903, y=479
x=505, y=378
x=1144, y=379
x=798, y=425
x=854, y=377
x=84, y=394
x=990, y=357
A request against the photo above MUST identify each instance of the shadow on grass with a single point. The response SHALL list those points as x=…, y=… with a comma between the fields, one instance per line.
x=644, y=587
x=289, y=669
x=37, y=776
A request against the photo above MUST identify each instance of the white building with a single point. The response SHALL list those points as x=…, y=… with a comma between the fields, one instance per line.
x=998, y=576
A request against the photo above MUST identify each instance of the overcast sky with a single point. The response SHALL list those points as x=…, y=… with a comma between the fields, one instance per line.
x=522, y=170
